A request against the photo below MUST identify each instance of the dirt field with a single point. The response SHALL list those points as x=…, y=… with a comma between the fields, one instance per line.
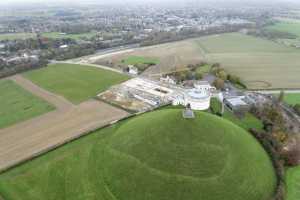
x=171, y=56
x=33, y=137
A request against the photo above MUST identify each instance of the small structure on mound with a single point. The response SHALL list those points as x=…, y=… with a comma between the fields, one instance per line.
x=188, y=113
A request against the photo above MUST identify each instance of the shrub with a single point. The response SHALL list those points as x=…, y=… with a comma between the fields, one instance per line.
x=273, y=148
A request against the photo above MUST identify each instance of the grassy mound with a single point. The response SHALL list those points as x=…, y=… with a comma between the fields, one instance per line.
x=293, y=183
x=158, y=156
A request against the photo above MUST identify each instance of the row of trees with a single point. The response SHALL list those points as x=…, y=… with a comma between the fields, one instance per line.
x=168, y=36
x=222, y=76
x=192, y=73
x=273, y=148
x=8, y=69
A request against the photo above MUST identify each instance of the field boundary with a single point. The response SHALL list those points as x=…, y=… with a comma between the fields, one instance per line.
x=59, y=102
x=58, y=145
x=71, y=139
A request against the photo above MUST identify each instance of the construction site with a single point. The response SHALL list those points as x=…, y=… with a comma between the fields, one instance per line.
x=142, y=94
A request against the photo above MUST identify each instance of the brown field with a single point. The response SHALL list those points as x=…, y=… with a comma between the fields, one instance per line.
x=33, y=137
x=172, y=56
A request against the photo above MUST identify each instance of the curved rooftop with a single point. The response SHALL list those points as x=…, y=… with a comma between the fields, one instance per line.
x=197, y=94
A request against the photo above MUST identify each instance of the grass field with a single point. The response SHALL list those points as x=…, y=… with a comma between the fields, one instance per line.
x=249, y=121
x=154, y=156
x=239, y=43
x=289, y=26
x=76, y=83
x=17, y=105
x=293, y=183
x=292, y=99
x=258, y=62
x=13, y=36
x=133, y=60
x=72, y=36
x=203, y=69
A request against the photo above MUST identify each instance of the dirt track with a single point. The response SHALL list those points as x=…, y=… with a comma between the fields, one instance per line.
x=33, y=137
x=59, y=102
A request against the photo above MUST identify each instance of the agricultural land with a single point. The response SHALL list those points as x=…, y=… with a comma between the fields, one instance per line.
x=287, y=25
x=258, y=62
x=33, y=136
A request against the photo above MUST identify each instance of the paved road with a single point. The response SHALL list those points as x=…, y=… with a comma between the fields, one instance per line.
x=33, y=137
x=91, y=65
x=295, y=91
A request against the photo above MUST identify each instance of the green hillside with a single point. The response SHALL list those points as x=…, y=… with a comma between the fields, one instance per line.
x=155, y=156
x=293, y=183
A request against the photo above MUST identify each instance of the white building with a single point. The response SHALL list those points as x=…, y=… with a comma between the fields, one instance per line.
x=133, y=70
x=167, y=79
x=198, y=97
x=156, y=93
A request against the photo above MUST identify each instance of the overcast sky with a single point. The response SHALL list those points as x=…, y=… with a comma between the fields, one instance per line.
x=122, y=1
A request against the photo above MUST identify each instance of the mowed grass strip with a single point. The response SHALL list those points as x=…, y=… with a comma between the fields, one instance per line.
x=134, y=60
x=76, y=83
x=293, y=183
x=155, y=156
x=16, y=104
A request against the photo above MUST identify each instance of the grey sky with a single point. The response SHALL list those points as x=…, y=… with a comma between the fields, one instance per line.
x=122, y=1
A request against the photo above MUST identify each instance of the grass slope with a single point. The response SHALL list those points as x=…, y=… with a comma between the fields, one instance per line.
x=260, y=63
x=76, y=83
x=155, y=156
x=249, y=121
x=17, y=105
x=293, y=183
